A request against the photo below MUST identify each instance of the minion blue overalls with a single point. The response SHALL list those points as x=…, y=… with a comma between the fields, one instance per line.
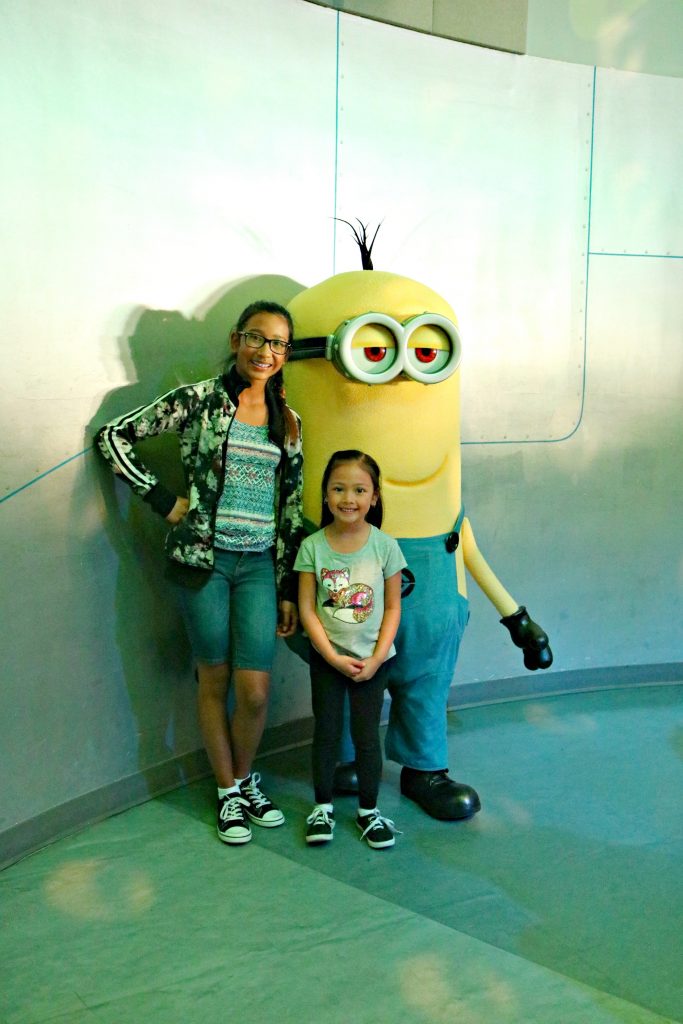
x=433, y=618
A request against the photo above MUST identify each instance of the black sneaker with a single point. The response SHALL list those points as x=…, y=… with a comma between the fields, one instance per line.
x=258, y=807
x=320, y=825
x=377, y=831
x=233, y=825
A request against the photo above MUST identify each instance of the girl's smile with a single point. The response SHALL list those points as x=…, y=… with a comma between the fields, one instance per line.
x=350, y=493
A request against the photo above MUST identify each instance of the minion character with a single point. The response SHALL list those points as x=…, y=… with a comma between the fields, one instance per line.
x=376, y=367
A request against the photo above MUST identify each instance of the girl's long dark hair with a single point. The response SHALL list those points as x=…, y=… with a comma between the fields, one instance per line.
x=282, y=423
x=375, y=512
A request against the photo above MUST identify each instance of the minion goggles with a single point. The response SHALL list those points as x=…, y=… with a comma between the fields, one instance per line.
x=381, y=363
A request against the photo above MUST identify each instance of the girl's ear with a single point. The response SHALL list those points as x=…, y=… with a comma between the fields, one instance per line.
x=234, y=341
x=375, y=498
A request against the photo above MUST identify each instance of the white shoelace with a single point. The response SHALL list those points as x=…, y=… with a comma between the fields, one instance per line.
x=319, y=816
x=376, y=819
x=257, y=798
x=231, y=807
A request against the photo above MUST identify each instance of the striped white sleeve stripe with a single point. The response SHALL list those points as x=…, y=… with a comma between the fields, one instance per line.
x=118, y=447
x=115, y=446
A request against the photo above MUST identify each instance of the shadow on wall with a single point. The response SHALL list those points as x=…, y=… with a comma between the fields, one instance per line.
x=164, y=350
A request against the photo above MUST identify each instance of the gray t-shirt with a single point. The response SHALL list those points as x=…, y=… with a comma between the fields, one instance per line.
x=350, y=588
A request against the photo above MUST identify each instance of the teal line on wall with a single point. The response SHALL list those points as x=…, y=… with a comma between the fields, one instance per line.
x=588, y=250
x=639, y=255
x=336, y=154
x=41, y=476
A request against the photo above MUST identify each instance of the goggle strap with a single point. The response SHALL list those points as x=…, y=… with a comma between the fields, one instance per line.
x=307, y=348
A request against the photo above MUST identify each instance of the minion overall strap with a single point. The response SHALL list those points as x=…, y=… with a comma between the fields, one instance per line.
x=453, y=538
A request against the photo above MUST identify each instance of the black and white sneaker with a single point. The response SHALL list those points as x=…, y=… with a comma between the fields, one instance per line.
x=233, y=824
x=258, y=807
x=320, y=825
x=377, y=831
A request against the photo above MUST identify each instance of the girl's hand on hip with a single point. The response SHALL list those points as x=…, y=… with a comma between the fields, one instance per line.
x=178, y=512
x=288, y=619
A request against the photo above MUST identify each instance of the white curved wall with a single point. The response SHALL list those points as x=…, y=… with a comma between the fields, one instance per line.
x=165, y=166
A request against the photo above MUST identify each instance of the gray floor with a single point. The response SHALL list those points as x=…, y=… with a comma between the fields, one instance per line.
x=560, y=903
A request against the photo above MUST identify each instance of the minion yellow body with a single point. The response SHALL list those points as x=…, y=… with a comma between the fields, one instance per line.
x=412, y=428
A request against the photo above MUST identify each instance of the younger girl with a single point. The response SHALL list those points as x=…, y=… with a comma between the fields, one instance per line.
x=350, y=607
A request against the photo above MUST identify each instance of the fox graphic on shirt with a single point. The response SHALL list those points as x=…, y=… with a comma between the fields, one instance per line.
x=351, y=602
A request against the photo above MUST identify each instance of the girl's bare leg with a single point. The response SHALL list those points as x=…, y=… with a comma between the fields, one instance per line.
x=249, y=717
x=213, y=721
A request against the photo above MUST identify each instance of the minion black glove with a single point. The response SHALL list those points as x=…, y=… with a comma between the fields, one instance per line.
x=530, y=637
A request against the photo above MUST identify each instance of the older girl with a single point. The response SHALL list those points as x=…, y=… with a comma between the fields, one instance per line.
x=233, y=540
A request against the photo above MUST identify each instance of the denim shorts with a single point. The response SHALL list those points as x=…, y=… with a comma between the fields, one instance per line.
x=233, y=617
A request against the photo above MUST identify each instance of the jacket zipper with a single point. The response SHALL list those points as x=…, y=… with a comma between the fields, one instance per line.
x=219, y=490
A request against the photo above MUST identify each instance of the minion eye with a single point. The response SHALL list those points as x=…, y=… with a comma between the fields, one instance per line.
x=373, y=350
x=433, y=348
x=365, y=348
x=425, y=355
x=429, y=349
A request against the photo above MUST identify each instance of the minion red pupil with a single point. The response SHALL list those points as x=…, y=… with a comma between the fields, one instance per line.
x=425, y=355
x=376, y=353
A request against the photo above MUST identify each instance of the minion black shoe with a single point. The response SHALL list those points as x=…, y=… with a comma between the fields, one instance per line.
x=439, y=796
x=345, y=781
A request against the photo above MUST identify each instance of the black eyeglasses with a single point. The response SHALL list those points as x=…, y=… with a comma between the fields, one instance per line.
x=254, y=340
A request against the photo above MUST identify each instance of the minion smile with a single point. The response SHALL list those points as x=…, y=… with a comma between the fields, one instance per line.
x=423, y=480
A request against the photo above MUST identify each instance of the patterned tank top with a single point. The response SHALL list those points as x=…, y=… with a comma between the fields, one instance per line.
x=245, y=520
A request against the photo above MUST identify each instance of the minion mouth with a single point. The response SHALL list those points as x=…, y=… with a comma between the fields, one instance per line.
x=418, y=483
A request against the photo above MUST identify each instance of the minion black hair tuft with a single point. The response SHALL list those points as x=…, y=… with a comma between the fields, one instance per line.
x=361, y=237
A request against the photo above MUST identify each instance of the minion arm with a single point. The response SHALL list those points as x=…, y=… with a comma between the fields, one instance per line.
x=525, y=633
x=482, y=573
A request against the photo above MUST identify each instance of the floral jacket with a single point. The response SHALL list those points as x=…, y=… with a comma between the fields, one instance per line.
x=201, y=414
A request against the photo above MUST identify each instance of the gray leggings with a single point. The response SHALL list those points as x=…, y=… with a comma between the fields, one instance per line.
x=328, y=690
